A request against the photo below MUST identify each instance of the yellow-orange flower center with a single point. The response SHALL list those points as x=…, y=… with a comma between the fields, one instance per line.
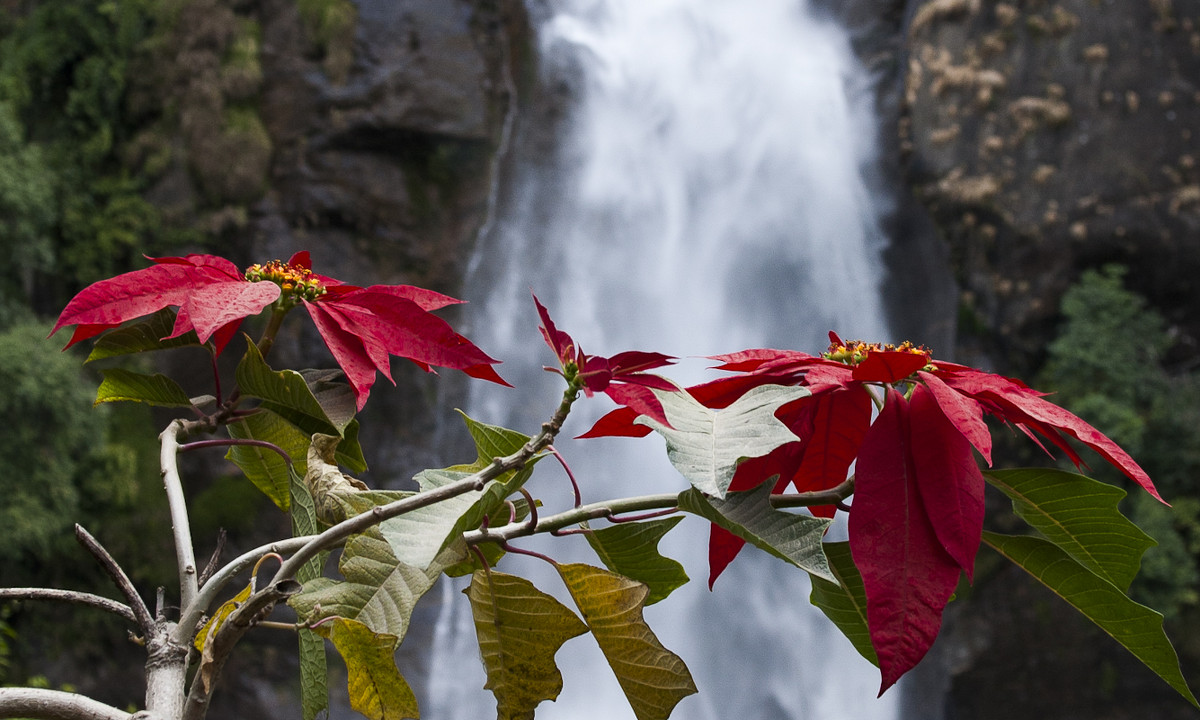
x=853, y=352
x=295, y=281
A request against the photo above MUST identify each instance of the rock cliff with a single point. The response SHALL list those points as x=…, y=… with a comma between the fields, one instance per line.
x=1046, y=137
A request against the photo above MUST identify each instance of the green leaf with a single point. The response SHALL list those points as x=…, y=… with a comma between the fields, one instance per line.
x=377, y=689
x=144, y=336
x=491, y=442
x=122, y=385
x=631, y=549
x=520, y=628
x=314, y=674
x=308, y=400
x=265, y=467
x=653, y=678
x=705, y=445
x=379, y=591
x=792, y=537
x=1135, y=626
x=844, y=602
x=304, y=522
x=1080, y=516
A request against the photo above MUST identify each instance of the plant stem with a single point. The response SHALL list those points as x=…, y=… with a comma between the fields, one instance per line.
x=592, y=511
x=268, y=337
x=185, y=553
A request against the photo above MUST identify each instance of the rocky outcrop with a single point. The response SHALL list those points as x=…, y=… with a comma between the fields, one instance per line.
x=1047, y=136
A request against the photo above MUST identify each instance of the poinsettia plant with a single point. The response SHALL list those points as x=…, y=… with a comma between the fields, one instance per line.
x=769, y=455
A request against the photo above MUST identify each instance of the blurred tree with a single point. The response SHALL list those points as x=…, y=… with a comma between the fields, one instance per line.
x=1107, y=366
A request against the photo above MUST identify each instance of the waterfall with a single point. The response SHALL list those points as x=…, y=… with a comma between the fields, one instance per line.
x=707, y=192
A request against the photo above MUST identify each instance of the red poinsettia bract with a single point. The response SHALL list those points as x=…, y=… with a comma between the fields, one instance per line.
x=362, y=327
x=917, y=515
x=622, y=377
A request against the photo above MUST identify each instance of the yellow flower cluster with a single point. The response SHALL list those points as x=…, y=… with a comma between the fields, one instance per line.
x=853, y=352
x=292, y=279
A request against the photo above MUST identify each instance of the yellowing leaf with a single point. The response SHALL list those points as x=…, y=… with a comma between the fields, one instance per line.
x=203, y=639
x=520, y=628
x=653, y=678
x=377, y=689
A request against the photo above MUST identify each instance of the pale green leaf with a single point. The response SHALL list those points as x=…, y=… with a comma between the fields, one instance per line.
x=1080, y=516
x=379, y=591
x=844, y=602
x=418, y=536
x=705, y=445
x=1138, y=628
x=377, y=689
x=653, y=678
x=631, y=549
x=520, y=629
x=123, y=385
x=144, y=336
x=262, y=466
x=793, y=537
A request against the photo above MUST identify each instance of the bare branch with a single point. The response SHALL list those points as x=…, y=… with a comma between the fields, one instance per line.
x=80, y=598
x=608, y=508
x=41, y=704
x=140, y=611
x=213, y=562
x=185, y=554
x=357, y=524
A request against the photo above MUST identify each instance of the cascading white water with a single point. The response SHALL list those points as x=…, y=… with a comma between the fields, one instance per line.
x=708, y=194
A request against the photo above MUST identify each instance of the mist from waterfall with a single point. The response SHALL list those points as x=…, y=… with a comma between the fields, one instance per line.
x=709, y=193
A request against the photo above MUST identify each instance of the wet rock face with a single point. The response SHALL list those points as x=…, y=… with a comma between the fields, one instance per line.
x=383, y=167
x=1047, y=136
x=384, y=139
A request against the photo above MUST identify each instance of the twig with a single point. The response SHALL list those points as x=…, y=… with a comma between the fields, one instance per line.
x=190, y=616
x=41, y=704
x=223, y=442
x=185, y=554
x=71, y=596
x=608, y=508
x=211, y=567
x=570, y=475
x=137, y=605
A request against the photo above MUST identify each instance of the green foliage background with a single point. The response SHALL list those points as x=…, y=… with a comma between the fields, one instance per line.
x=1110, y=365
